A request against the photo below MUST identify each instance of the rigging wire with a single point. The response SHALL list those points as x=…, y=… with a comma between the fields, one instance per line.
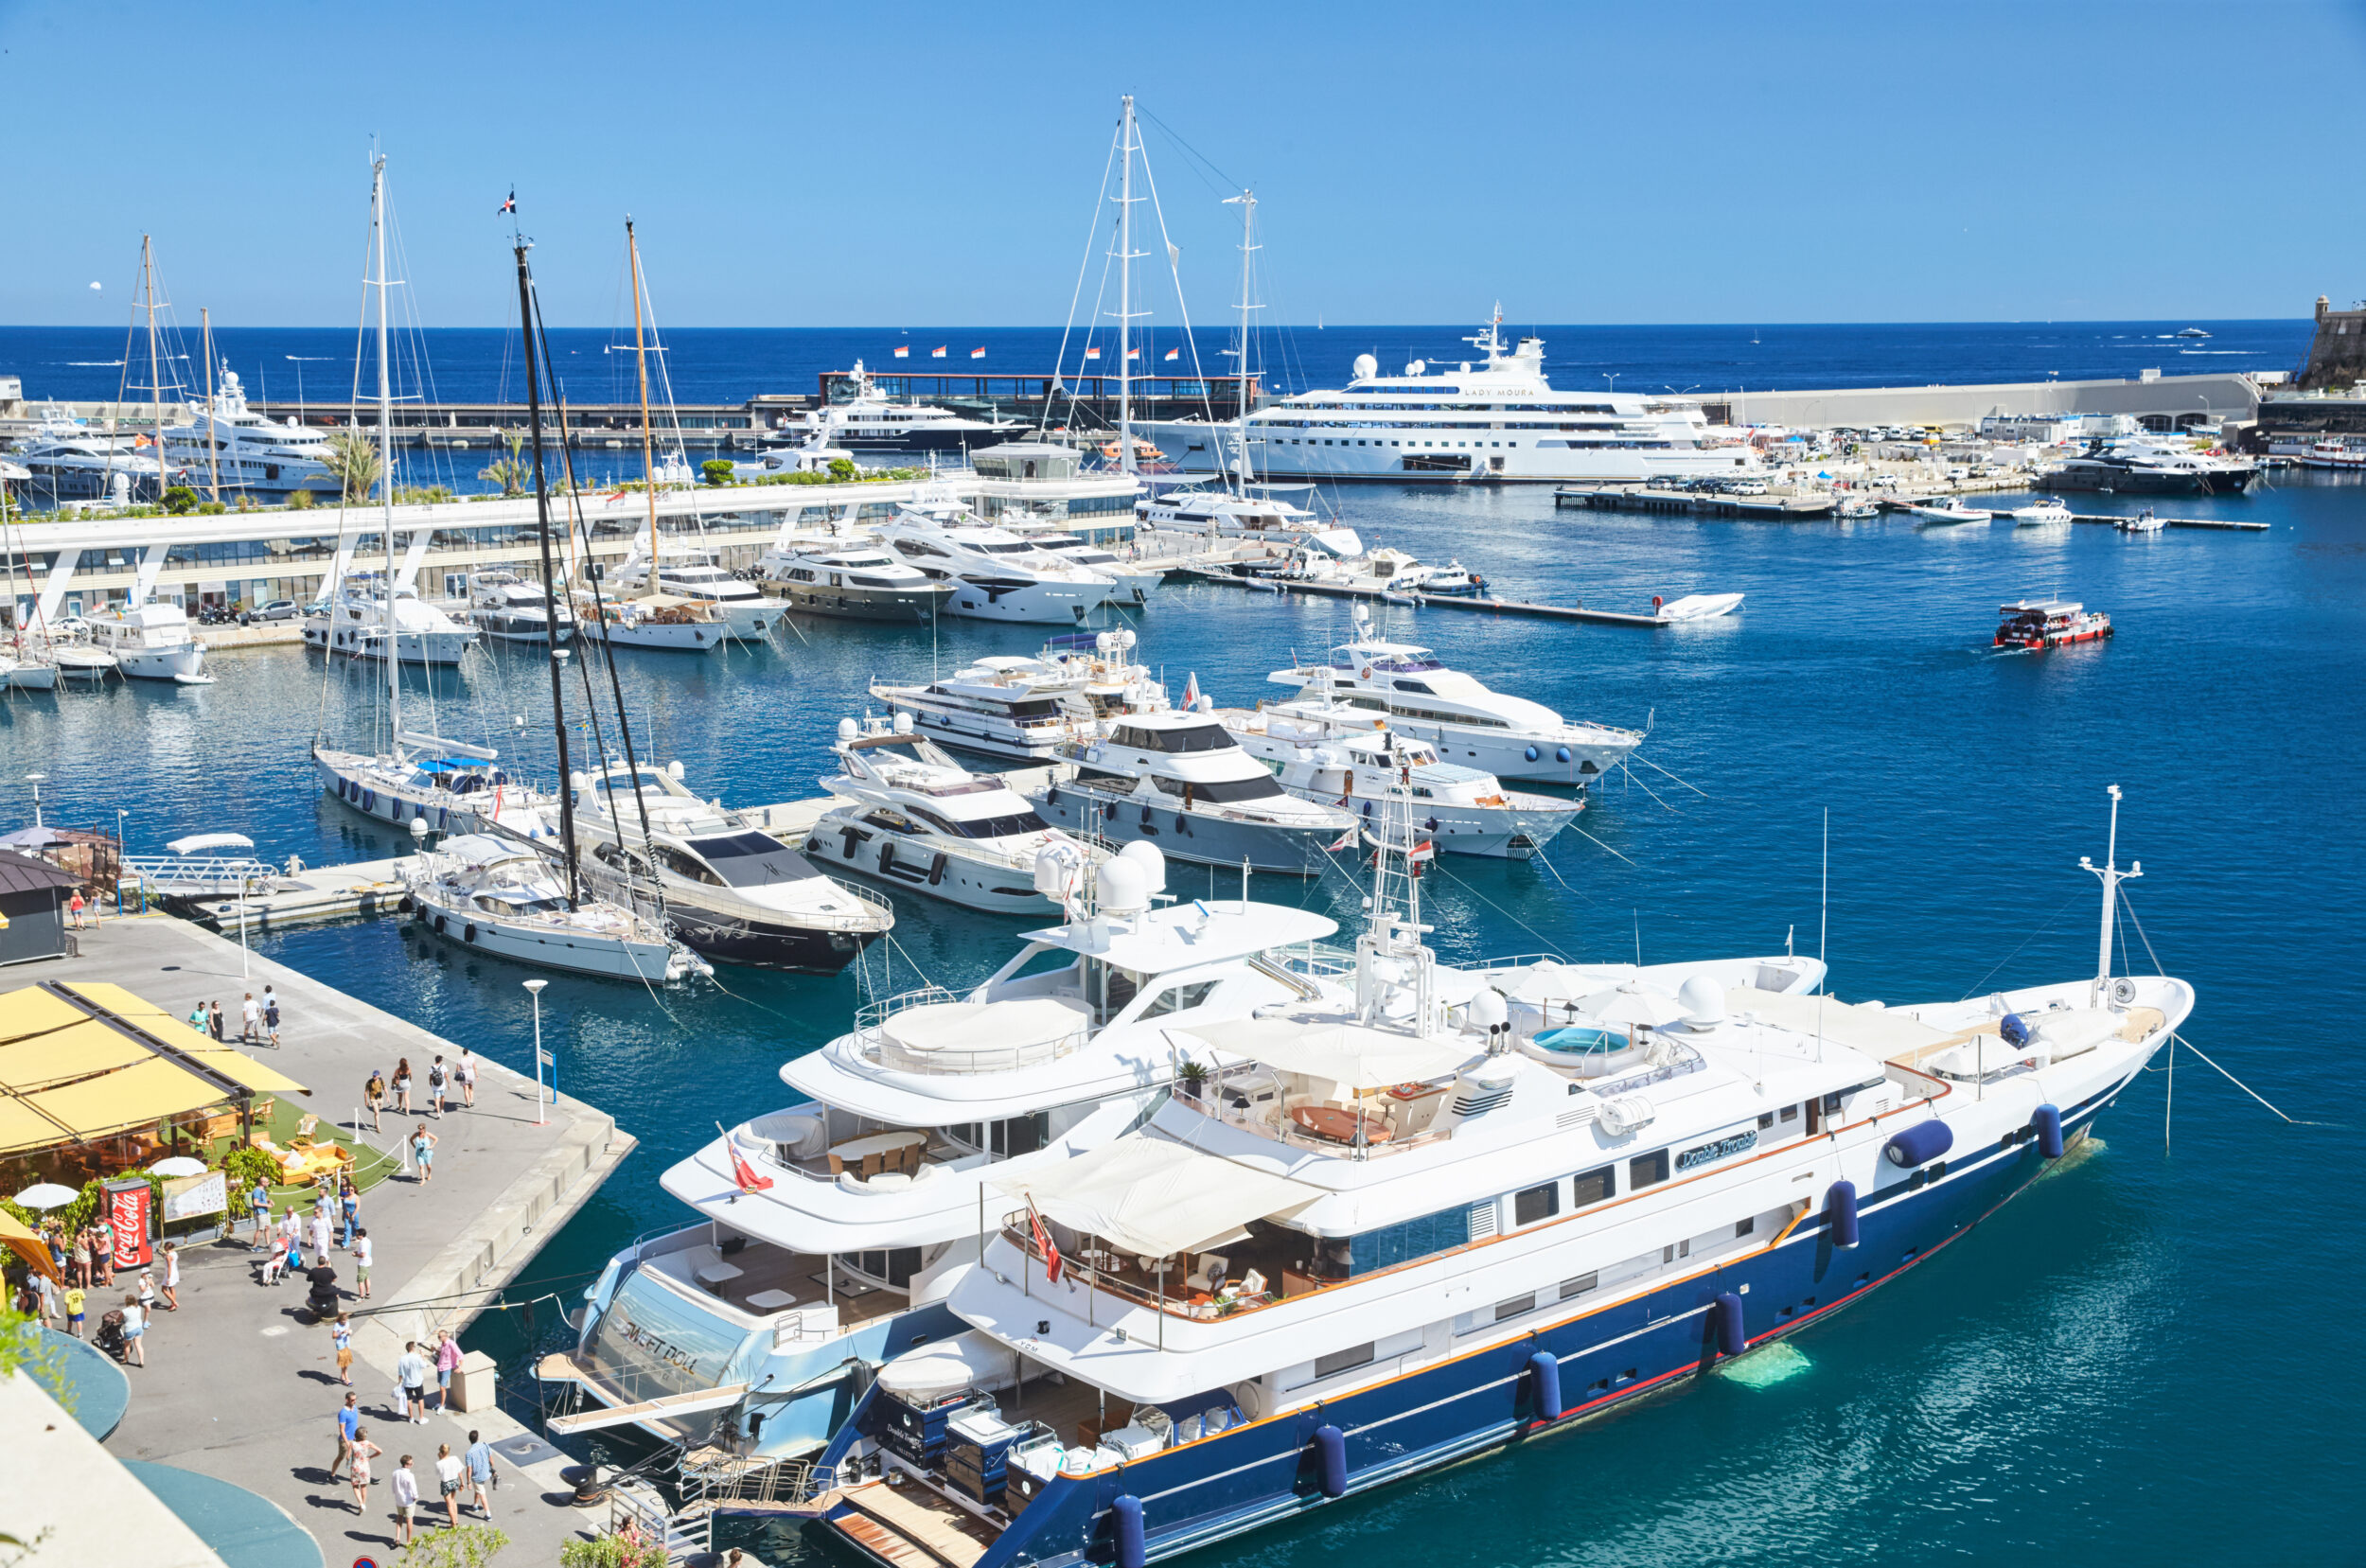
x=1059, y=360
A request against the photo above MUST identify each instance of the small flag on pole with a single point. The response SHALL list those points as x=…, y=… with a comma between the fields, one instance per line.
x=1345, y=839
x=937, y=353
x=1133, y=353
x=1173, y=354
x=904, y=351
x=510, y=205
x=1190, y=691
x=977, y=353
x=1092, y=353
x=1044, y=1243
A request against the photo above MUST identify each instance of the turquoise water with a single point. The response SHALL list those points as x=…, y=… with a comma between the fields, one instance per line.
x=2141, y=1358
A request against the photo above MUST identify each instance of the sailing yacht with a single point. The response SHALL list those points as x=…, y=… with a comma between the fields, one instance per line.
x=729, y=889
x=149, y=641
x=827, y=1233
x=994, y=575
x=690, y=574
x=1469, y=723
x=910, y=814
x=1371, y=1247
x=495, y=896
x=233, y=447
x=1497, y=420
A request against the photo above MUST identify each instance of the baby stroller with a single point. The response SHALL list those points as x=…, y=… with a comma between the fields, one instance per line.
x=110, y=1337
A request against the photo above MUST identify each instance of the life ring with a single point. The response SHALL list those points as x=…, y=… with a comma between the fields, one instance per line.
x=1367, y=671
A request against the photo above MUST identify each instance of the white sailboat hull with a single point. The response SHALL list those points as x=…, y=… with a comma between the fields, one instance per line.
x=368, y=641
x=547, y=946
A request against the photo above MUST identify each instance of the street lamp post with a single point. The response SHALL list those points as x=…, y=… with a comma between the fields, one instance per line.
x=534, y=989
x=35, y=780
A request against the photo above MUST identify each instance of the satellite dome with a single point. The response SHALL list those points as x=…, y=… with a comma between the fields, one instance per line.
x=1151, y=860
x=1125, y=887
x=903, y=721
x=1417, y=367
x=1704, y=1001
x=1365, y=367
x=1488, y=1009
x=847, y=729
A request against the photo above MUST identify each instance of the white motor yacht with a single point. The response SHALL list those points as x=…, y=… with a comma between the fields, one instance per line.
x=249, y=453
x=1387, y=571
x=2046, y=512
x=1369, y=1248
x=994, y=575
x=692, y=575
x=1181, y=781
x=1509, y=736
x=869, y=420
x=1136, y=580
x=729, y=889
x=68, y=460
x=1003, y=706
x=511, y=607
x=1343, y=756
x=1950, y=510
x=655, y=621
x=910, y=815
x=498, y=896
x=149, y=641
x=828, y=1233
x=857, y=582
x=354, y=622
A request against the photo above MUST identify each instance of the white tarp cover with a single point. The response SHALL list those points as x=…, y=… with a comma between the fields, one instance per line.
x=1874, y=1030
x=1351, y=1055
x=1015, y=1026
x=1154, y=1198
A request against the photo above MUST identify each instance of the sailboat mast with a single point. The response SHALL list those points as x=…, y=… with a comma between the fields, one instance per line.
x=156, y=364
x=1247, y=203
x=641, y=357
x=213, y=464
x=550, y=593
x=386, y=457
x=1126, y=294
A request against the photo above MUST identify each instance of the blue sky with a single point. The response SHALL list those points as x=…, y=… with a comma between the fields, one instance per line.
x=823, y=166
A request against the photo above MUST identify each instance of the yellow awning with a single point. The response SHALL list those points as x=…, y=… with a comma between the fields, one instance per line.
x=123, y=1004
x=74, y=1051
x=33, y=1011
x=20, y=1239
x=130, y=1097
x=22, y=1127
x=242, y=1068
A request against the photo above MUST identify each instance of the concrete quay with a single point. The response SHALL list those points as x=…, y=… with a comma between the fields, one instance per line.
x=241, y=1384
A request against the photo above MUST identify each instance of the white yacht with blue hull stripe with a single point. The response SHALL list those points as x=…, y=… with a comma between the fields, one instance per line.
x=832, y=1230
x=1360, y=1252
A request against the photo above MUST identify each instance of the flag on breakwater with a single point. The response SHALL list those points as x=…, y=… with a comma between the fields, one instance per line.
x=1133, y=353
x=937, y=353
x=1092, y=353
x=904, y=351
x=1173, y=354
x=977, y=353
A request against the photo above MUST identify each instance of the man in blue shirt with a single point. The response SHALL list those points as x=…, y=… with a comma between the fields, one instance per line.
x=481, y=1477
x=348, y=1422
x=258, y=1204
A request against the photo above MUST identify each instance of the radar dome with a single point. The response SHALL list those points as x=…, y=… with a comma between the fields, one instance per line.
x=847, y=729
x=903, y=722
x=673, y=770
x=1417, y=367
x=1365, y=367
x=1704, y=1001
x=1124, y=888
x=1151, y=861
x=1053, y=862
x=1488, y=1009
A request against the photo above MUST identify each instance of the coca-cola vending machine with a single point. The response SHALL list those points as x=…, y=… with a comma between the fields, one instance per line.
x=129, y=1218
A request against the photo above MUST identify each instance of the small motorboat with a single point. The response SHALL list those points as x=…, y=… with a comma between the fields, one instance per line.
x=2046, y=513
x=1951, y=510
x=2143, y=522
x=2032, y=624
x=1699, y=606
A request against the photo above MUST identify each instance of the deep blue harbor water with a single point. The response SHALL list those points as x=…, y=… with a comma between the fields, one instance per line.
x=2142, y=1359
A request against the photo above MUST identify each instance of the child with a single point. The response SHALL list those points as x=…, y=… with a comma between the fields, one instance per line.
x=148, y=1293
x=342, y=1334
x=406, y=1497
x=75, y=1296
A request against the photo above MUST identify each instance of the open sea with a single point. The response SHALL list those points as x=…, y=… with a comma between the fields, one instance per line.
x=2139, y=1360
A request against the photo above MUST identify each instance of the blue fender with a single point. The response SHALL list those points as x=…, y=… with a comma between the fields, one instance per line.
x=1133, y=1552
x=1732, y=1338
x=1331, y=1451
x=1920, y=1144
x=1545, y=1371
x=2047, y=1119
x=1840, y=1212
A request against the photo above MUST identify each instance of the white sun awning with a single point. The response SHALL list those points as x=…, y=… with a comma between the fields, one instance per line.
x=1154, y=1198
x=1351, y=1055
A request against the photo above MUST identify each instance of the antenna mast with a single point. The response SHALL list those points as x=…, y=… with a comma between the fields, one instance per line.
x=641, y=357
x=155, y=365
x=1246, y=201
x=1125, y=293
x=386, y=461
x=2112, y=876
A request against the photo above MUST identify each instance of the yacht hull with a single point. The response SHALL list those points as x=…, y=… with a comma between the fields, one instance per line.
x=2142, y=482
x=504, y=627
x=31, y=678
x=1033, y=603
x=688, y=636
x=1269, y=1471
x=343, y=777
x=183, y=663
x=983, y=734
x=972, y=883
x=1197, y=835
x=578, y=953
x=730, y=937
x=411, y=647
x=861, y=604
x=1508, y=832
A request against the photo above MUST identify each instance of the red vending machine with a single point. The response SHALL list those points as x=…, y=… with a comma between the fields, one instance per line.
x=128, y=1202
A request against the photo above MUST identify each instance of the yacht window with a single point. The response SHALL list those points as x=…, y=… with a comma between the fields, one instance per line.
x=1175, y=998
x=1020, y=1135
x=1197, y=738
x=1221, y=792
x=1413, y=686
x=896, y=1265
x=1582, y=1284
x=1646, y=1170
x=1408, y=1239
x=1514, y=1307
x=1536, y=1203
x=746, y=859
x=687, y=866
x=1008, y=826
x=1109, y=989
x=1340, y=1361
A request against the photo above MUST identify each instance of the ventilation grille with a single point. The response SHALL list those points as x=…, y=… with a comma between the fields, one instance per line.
x=1569, y=1121
x=1478, y=1102
x=1482, y=1221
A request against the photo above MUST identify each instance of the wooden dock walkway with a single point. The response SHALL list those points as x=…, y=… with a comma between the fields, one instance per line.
x=1437, y=601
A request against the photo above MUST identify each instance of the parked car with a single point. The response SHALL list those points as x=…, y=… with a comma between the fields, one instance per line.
x=279, y=609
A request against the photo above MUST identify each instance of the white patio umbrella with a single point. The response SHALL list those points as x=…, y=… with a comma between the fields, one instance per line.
x=47, y=1195
x=178, y=1165
x=1632, y=1003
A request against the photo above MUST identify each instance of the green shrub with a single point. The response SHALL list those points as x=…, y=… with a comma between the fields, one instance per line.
x=179, y=498
x=212, y=509
x=299, y=500
x=469, y=1546
x=718, y=470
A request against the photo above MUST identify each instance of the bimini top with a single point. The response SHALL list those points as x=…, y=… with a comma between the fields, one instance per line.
x=1351, y=1055
x=1184, y=935
x=1028, y=1030
x=1154, y=1198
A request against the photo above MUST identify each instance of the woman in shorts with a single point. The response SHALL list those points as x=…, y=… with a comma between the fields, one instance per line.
x=134, y=1329
x=448, y=1482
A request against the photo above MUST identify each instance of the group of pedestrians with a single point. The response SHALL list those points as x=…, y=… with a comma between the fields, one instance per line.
x=85, y=1262
x=258, y=1019
x=467, y=1479
x=446, y=1081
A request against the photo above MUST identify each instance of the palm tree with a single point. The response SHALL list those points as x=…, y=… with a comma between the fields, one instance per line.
x=353, y=458
x=508, y=472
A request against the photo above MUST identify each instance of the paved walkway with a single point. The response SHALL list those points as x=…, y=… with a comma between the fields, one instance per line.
x=241, y=1384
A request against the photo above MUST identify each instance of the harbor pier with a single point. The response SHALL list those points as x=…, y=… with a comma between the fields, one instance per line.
x=240, y=1382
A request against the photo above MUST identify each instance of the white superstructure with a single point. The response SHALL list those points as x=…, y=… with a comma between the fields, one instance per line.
x=150, y=641
x=1499, y=419
x=994, y=575
x=248, y=453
